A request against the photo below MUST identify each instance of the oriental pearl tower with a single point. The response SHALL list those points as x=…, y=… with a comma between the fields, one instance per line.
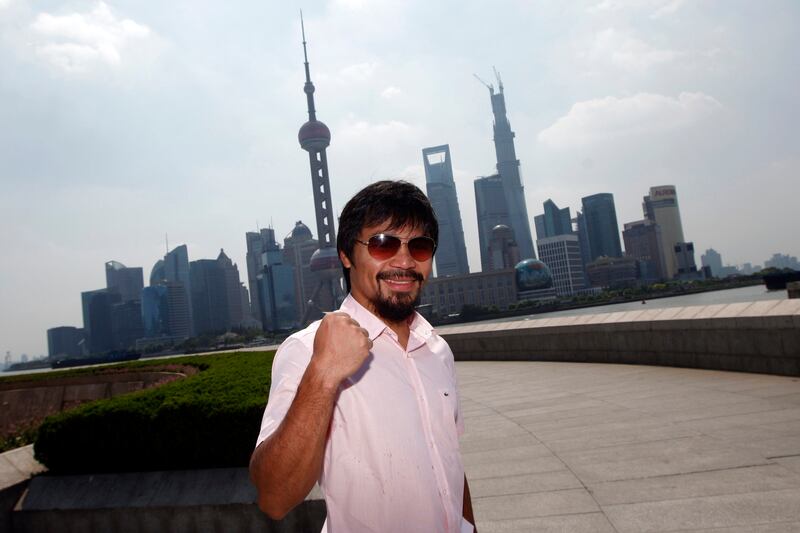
x=314, y=137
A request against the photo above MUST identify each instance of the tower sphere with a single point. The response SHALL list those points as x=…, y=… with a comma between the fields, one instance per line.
x=314, y=136
x=326, y=259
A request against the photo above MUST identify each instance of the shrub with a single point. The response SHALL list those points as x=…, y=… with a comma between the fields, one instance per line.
x=208, y=420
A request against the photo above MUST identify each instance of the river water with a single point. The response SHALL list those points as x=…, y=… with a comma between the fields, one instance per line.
x=728, y=296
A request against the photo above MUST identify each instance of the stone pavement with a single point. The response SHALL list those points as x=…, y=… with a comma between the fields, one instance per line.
x=577, y=447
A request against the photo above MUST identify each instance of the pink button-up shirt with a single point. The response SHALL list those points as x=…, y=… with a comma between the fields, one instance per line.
x=392, y=461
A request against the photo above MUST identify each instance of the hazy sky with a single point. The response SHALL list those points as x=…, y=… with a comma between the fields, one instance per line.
x=123, y=121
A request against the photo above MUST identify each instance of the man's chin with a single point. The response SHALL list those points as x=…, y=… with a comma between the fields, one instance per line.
x=397, y=306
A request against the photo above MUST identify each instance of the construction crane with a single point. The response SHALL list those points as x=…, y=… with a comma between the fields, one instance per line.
x=487, y=85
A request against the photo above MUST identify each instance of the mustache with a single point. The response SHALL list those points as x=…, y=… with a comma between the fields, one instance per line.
x=400, y=275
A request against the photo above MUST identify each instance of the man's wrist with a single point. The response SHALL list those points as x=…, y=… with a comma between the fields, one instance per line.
x=323, y=376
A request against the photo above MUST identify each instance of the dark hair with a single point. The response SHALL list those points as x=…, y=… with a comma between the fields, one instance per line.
x=400, y=202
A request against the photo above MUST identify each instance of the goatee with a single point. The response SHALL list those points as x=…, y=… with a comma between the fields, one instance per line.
x=398, y=307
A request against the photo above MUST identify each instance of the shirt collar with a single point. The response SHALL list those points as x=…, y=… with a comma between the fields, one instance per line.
x=375, y=326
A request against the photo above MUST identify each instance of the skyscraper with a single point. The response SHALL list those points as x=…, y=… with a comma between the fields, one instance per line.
x=276, y=284
x=643, y=242
x=125, y=281
x=216, y=294
x=155, y=311
x=602, y=230
x=258, y=246
x=451, y=253
x=314, y=137
x=508, y=169
x=492, y=211
x=661, y=207
x=233, y=289
x=553, y=222
x=97, y=323
x=176, y=271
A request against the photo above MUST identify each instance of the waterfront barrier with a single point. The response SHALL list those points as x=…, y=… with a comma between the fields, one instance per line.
x=761, y=337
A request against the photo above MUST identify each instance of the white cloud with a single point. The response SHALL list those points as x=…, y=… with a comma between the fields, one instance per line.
x=626, y=51
x=4, y=3
x=360, y=72
x=391, y=92
x=612, y=118
x=668, y=8
x=76, y=41
x=659, y=8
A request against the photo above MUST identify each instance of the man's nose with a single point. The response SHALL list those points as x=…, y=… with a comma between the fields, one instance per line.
x=402, y=258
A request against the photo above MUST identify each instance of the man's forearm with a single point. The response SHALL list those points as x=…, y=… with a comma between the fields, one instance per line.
x=285, y=467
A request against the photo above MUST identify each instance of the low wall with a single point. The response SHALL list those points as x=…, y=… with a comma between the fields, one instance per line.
x=26, y=401
x=190, y=501
x=761, y=337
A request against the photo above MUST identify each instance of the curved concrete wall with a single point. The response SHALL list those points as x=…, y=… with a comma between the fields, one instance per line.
x=761, y=337
x=26, y=401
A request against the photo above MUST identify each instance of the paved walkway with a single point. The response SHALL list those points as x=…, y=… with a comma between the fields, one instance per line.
x=630, y=449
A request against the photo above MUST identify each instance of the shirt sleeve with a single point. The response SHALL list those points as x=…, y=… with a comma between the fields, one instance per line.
x=288, y=367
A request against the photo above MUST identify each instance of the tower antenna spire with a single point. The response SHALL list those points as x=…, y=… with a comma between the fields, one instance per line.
x=308, y=88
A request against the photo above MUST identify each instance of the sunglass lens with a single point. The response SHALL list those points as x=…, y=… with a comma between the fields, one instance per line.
x=421, y=248
x=382, y=247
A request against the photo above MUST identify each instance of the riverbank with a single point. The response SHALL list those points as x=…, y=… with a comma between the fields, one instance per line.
x=557, y=308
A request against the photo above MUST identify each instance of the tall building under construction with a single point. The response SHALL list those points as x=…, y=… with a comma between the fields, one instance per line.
x=516, y=211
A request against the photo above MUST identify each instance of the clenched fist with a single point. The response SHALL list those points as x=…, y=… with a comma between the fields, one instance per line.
x=341, y=346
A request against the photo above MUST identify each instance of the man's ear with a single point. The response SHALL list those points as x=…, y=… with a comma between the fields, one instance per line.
x=345, y=260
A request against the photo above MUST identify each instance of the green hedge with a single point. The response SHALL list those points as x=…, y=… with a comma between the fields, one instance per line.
x=208, y=420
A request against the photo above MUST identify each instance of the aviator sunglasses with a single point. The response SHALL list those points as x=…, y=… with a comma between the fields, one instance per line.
x=383, y=246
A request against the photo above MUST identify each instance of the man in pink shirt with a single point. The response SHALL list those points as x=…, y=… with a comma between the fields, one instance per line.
x=365, y=401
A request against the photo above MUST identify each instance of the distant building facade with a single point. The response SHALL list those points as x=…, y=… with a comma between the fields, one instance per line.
x=483, y=289
x=492, y=211
x=298, y=247
x=126, y=324
x=661, y=207
x=562, y=255
x=713, y=260
x=503, y=249
x=125, y=281
x=602, y=230
x=782, y=261
x=64, y=341
x=276, y=292
x=643, y=242
x=258, y=245
x=451, y=252
x=684, y=256
x=216, y=295
x=176, y=271
x=613, y=272
x=553, y=222
x=97, y=323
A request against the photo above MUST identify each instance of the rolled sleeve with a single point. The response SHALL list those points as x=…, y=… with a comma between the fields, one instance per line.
x=288, y=367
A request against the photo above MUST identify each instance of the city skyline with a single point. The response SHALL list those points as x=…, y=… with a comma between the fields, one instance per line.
x=142, y=120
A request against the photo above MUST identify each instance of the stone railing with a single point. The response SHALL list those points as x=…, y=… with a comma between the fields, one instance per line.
x=762, y=336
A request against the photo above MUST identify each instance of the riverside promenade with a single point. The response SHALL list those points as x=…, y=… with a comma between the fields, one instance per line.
x=595, y=448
